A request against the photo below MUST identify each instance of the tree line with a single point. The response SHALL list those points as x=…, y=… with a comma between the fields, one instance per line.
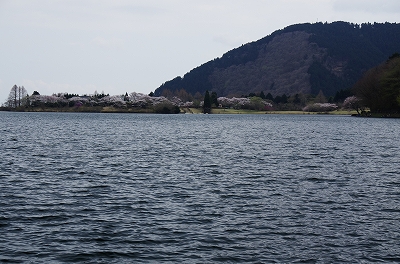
x=19, y=100
x=169, y=102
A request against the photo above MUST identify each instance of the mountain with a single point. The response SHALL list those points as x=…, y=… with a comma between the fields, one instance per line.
x=303, y=58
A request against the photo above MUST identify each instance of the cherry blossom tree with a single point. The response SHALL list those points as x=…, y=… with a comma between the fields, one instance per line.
x=115, y=100
x=320, y=107
x=354, y=103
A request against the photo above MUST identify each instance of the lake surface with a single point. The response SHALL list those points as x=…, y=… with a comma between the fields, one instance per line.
x=128, y=188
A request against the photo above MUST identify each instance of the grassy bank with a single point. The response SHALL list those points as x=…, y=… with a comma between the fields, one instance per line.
x=339, y=112
x=235, y=111
x=245, y=111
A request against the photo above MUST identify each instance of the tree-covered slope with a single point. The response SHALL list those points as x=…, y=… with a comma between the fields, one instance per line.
x=379, y=88
x=303, y=58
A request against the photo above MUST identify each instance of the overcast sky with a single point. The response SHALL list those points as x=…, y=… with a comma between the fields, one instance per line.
x=118, y=46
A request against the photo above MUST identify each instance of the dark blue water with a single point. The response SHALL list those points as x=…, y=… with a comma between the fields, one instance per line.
x=126, y=188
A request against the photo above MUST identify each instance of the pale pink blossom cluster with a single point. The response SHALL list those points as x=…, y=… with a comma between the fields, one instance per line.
x=134, y=100
x=266, y=104
x=320, y=107
x=188, y=104
x=351, y=102
x=157, y=100
x=83, y=100
x=115, y=100
x=143, y=100
x=139, y=99
x=354, y=103
x=133, y=97
x=233, y=102
x=239, y=102
x=176, y=101
x=45, y=99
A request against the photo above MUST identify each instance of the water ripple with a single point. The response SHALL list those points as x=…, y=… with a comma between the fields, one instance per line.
x=115, y=188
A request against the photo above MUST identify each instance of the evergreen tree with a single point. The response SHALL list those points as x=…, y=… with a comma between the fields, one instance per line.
x=207, y=103
x=320, y=98
x=284, y=99
x=297, y=99
x=214, y=99
x=341, y=95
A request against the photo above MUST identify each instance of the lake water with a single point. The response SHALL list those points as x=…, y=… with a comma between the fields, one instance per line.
x=128, y=188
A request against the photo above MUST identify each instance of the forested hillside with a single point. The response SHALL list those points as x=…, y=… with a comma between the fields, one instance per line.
x=303, y=58
x=379, y=88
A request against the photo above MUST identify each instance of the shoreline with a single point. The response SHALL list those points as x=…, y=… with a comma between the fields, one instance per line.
x=214, y=111
x=185, y=110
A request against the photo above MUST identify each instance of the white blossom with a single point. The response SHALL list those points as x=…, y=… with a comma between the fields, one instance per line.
x=116, y=100
x=47, y=99
x=320, y=107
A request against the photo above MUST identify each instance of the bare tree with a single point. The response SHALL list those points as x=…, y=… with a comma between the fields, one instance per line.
x=21, y=95
x=16, y=96
x=12, y=97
